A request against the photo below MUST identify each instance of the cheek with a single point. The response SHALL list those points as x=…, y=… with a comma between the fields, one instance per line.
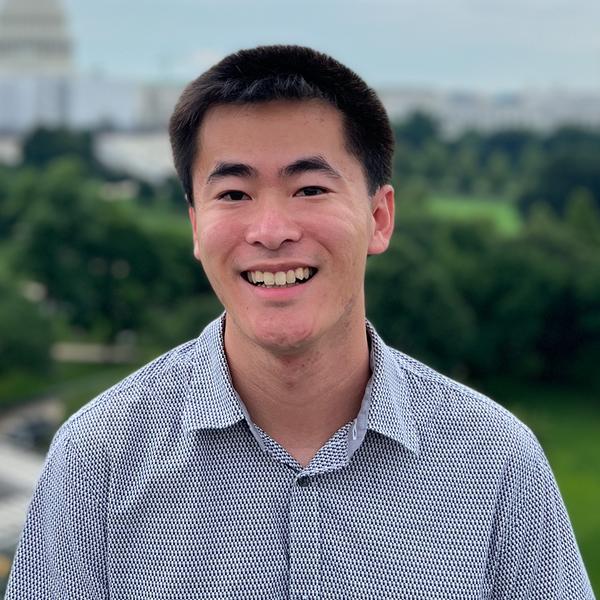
x=346, y=236
x=217, y=238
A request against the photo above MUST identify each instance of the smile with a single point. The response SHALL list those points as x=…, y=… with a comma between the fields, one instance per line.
x=288, y=278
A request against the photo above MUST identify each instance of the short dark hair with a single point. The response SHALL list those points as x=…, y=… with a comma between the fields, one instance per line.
x=285, y=73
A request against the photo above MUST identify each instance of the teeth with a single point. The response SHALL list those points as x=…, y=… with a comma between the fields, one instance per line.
x=280, y=278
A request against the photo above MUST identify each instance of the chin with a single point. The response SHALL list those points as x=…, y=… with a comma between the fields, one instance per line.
x=283, y=336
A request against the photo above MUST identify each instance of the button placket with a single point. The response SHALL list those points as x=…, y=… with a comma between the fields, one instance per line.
x=305, y=542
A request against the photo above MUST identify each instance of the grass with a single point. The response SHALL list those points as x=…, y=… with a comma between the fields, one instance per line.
x=467, y=208
x=567, y=424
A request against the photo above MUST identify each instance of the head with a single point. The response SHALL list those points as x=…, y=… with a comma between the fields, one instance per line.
x=269, y=73
x=285, y=157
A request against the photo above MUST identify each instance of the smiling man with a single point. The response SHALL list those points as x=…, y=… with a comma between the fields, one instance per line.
x=287, y=452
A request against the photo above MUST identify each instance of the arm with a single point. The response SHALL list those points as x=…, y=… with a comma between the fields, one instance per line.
x=62, y=549
x=539, y=559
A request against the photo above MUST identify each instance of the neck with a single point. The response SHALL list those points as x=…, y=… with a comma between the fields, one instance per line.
x=301, y=399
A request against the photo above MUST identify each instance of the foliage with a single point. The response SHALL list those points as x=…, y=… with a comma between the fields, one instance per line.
x=515, y=163
x=43, y=146
x=25, y=335
x=561, y=175
x=103, y=267
x=467, y=285
x=477, y=304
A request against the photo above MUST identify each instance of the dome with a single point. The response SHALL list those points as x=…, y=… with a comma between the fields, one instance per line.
x=34, y=38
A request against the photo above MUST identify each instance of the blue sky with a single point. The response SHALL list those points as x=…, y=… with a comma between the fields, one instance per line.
x=488, y=45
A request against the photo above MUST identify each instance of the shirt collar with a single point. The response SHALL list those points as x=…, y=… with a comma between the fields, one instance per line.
x=387, y=407
x=213, y=403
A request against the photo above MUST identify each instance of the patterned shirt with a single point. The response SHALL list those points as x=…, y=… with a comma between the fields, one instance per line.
x=162, y=488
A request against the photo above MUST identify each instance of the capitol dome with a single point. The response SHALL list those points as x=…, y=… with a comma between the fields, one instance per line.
x=34, y=38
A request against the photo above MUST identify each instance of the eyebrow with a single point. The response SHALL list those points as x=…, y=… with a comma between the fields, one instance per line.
x=226, y=169
x=302, y=165
x=307, y=164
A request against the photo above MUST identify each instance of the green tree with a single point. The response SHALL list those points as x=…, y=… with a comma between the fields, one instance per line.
x=106, y=265
x=25, y=334
x=561, y=175
x=417, y=130
x=582, y=216
x=43, y=146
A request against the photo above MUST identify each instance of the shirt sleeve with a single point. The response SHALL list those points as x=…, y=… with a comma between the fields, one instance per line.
x=62, y=549
x=539, y=559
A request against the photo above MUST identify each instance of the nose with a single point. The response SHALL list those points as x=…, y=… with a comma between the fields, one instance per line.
x=272, y=225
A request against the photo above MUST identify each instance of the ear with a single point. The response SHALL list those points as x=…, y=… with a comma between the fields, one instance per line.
x=382, y=208
x=194, y=222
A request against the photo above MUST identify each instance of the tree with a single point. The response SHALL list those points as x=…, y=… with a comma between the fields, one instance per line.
x=105, y=265
x=418, y=129
x=43, y=146
x=582, y=216
x=25, y=334
x=561, y=175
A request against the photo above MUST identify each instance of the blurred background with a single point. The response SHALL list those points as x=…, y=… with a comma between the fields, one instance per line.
x=494, y=273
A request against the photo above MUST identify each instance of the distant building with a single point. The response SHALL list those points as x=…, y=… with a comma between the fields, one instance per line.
x=40, y=85
x=36, y=61
x=34, y=39
x=541, y=110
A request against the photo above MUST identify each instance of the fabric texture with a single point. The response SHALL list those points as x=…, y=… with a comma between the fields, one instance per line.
x=162, y=488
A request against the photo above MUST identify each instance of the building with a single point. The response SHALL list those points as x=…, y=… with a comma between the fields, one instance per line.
x=36, y=60
x=34, y=39
x=40, y=85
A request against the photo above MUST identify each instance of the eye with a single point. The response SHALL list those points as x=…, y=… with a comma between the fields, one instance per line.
x=311, y=190
x=233, y=195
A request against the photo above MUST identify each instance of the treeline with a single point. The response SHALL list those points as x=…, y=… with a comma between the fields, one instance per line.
x=479, y=305
x=85, y=257
x=520, y=165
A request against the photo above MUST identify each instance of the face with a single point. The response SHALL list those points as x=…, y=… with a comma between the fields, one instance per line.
x=283, y=222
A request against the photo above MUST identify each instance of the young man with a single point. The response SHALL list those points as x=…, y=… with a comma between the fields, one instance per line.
x=288, y=452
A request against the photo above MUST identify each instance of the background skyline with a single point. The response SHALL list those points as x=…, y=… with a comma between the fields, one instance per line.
x=484, y=46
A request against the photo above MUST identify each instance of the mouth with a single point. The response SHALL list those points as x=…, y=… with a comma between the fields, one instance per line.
x=279, y=279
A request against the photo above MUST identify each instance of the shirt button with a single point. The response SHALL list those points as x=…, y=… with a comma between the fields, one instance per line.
x=303, y=482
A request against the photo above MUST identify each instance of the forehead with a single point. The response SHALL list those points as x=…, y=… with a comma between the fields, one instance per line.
x=282, y=127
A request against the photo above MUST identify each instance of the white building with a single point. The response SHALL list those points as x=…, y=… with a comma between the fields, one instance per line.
x=34, y=39
x=39, y=85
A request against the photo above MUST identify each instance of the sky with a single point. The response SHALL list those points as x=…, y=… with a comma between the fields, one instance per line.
x=484, y=45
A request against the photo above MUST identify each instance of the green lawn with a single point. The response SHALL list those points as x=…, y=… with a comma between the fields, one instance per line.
x=567, y=424
x=466, y=208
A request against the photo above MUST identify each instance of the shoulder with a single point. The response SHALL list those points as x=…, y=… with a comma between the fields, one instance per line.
x=142, y=401
x=452, y=415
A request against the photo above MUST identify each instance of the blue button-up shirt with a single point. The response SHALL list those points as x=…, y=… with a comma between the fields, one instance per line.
x=163, y=488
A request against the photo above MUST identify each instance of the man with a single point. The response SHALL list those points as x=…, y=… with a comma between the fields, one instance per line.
x=288, y=452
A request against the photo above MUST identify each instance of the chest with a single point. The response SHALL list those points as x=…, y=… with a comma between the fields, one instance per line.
x=217, y=529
